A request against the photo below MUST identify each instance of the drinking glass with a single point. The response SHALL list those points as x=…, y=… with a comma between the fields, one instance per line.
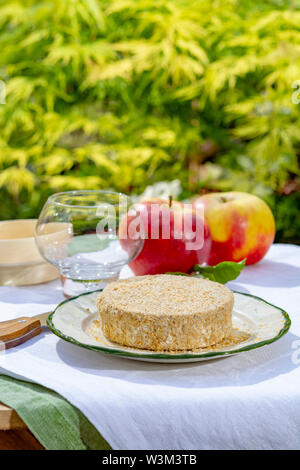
x=78, y=232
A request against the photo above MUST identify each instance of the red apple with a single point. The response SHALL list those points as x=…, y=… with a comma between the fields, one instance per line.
x=171, y=244
x=241, y=225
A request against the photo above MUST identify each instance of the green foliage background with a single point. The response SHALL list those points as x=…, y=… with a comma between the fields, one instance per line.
x=124, y=93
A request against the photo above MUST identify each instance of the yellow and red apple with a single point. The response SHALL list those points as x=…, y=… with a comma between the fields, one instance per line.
x=166, y=245
x=241, y=225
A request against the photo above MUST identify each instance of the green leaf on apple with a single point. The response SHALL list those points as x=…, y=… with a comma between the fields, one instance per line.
x=222, y=272
x=179, y=274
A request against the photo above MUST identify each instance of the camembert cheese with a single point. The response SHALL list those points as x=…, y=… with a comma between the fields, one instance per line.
x=166, y=312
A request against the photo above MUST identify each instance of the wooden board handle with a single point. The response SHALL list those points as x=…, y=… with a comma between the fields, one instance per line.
x=17, y=331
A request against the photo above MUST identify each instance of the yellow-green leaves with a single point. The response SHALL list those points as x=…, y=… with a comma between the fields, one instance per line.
x=123, y=93
x=15, y=179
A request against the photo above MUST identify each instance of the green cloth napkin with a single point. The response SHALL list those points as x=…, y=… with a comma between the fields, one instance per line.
x=55, y=423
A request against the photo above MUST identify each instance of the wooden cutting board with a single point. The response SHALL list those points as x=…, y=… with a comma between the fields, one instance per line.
x=9, y=419
x=14, y=434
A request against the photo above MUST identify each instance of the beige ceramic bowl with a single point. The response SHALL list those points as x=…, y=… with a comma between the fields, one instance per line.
x=20, y=261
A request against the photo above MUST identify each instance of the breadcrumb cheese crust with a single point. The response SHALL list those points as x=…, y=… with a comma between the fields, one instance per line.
x=166, y=312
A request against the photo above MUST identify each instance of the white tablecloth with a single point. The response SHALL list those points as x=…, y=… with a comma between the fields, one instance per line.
x=248, y=401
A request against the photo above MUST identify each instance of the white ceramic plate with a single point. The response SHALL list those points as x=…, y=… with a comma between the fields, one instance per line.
x=261, y=321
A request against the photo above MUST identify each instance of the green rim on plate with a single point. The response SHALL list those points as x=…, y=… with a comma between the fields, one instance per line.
x=166, y=356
